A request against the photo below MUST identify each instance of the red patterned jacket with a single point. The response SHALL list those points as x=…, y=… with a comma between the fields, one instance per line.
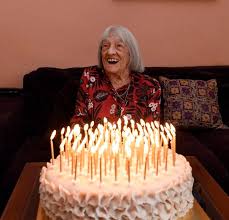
x=97, y=98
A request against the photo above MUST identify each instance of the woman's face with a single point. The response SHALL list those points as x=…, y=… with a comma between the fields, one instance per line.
x=115, y=55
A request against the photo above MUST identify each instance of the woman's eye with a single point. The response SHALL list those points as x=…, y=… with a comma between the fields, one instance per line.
x=120, y=45
x=105, y=46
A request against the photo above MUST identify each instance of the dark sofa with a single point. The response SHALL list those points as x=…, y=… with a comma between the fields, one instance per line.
x=46, y=102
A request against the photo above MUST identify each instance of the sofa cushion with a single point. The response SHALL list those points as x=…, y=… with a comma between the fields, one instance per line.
x=191, y=103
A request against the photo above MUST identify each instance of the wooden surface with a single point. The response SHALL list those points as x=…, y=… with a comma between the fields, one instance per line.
x=24, y=201
x=216, y=200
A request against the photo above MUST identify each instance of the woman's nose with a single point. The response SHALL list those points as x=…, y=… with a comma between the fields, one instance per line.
x=111, y=49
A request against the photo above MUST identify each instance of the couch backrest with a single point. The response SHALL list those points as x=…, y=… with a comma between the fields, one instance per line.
x=50, y=93
x=43, y=90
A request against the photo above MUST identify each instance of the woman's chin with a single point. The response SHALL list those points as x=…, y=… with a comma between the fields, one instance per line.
x=112, y=70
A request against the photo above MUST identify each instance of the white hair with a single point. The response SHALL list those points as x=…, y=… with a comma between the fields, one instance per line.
x=136, y=63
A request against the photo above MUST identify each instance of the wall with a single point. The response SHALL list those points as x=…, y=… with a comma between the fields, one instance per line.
x=65, y=33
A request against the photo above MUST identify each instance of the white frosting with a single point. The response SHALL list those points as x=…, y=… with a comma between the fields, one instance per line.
x=166, y=196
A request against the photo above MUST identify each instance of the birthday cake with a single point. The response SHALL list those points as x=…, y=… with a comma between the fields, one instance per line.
x=142, y=178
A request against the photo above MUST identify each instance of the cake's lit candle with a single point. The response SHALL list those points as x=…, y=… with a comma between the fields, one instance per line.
x=125, y=120
x=137, y=148
x=74, y=147
x=105, y=161
x=51, y=144
x=92, y=157
x=165, y=146
x=152, y=140
x=152, y=125
x=132, y=123
x=169, y=137
x=68, y=130
x=85, y=128
x=70, y=136
x=76, y=166
x=146, y=150
x=92, y=124
x=173, y=131
x=91, y=162
x=76, y=130
x=105, y=121
x=128, y=155
x=158, y=153
x=61, y=150
x=101, y=153
x=100, y=169
x=115, y=151
x=62, y=134
x=142, y=122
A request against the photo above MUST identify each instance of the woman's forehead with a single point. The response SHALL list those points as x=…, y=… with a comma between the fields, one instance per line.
x=113, y=37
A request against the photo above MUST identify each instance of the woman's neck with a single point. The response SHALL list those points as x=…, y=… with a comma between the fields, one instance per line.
x=119, y=80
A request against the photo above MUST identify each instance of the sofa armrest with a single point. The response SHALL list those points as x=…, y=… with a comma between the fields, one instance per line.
x=12, y=131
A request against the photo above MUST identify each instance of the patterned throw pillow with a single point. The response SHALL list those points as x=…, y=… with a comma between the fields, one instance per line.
x=191, y=103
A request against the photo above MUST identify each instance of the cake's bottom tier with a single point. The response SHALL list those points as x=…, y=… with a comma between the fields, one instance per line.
x=170, y=204
x=167, y=196
x=196, y=212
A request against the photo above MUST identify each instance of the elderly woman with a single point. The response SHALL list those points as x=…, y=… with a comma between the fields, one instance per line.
x=117, y=87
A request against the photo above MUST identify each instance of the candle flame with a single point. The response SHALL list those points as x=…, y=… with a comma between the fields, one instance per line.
x=105, y=120
x=125, y=120
x=62, y=145
x=132, y=122
x=164, y=139
x=62, y=131
x=168, y=133
x=92, y=124
x=53, y=135
x=70, y=137
x=139, y=127
x=76, y=129
x=157, y=142
x=152, y=125
x=156, y=123
x=79, y=149
x=74, y=146
x=67, y=131
x=142, y=122
x=162, y=128
x=119, y=122
x=167, y=125
x=86, y=126
x=101, y=128
x=173, y=129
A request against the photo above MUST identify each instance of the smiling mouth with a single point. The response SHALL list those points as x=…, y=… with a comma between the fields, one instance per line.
x=112, y=60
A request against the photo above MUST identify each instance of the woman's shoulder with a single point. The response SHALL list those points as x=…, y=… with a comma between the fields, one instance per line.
x=142, y=77
x=92, y=71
